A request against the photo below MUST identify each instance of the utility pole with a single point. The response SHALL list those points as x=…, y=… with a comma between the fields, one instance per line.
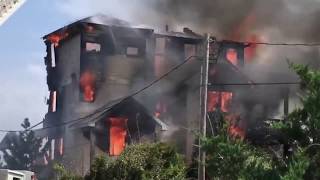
x=92, y=143
x=203, y=106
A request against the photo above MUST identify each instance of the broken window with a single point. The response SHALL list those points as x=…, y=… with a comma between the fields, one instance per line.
x=88, y=86
x=118, y=133
x=221, y=100
x=53, y=56
x=93, y=47
x=132, y=51
x=159, y=59
x=232, y=56
x=53, y=100
x=189, y=50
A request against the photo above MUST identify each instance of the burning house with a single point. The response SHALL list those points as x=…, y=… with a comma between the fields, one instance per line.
x=99, y=71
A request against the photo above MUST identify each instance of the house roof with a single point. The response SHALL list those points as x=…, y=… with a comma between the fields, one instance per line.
x=117, y=105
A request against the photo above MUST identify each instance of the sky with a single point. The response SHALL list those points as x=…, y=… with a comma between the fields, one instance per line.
x=23, y=90
x=22, y=71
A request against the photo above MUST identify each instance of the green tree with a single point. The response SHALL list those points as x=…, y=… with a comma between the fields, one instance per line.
x=143, y=161
x=228, y=158
x=23, y=149
x=303, y=125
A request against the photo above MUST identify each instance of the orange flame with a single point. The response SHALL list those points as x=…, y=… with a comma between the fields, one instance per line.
x=235, y=129
x=87, y=84
x=219, y=99
x=243, y=32
x=118, y=134
x=56, y=38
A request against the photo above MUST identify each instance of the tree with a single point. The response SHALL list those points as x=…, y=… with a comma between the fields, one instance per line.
x=229, y=158
x=143, y=161
x=303, y=125
x=23, y=149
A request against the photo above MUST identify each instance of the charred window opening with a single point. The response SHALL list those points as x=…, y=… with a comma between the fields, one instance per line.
x=132, y=51
x=88, y=86
x=232, y=56
x=93, y=47
x=221, y=100
x=233, y=52
x=118, y=133
x=53, y=101
x=53, y=56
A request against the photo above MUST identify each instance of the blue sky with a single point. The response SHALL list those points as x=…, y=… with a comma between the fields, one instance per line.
x=22, y=71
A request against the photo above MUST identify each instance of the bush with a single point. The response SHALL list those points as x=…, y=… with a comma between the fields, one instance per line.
x=144, y=161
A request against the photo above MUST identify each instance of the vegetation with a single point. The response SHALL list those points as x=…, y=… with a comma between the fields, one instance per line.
x=23, y=149
x=142, y=161
x=230, y=158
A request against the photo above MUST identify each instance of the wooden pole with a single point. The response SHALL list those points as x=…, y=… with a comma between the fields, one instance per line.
x=203, y=107
x=92, y=144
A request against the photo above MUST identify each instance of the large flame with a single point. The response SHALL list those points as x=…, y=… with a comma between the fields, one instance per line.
x=87, y=84
x=244, y=32
x=118, y=133
x=220, y=100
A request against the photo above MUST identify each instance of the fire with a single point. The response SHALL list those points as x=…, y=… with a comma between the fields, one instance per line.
x=243, y=32
x=118, y=133
x=219, y=99
x=87, y=84
x=232, y=56
x=57, y=37
x=235, y=129
x=160, y=109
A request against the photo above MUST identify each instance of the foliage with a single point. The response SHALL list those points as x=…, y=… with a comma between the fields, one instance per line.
x=63, y=174
x=23, y=149
x=297, y=167
x=229, y=158
x=303, y=125
x=142, y=161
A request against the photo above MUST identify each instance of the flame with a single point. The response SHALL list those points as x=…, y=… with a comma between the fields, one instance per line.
x=235, y=129
x=217, y=99
x=232, y=56
x=161, y=108
x=243, y=32
x=57, y=37
x=87, y=84
x=118, y=135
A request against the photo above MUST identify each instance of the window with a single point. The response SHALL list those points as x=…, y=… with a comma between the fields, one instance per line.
x=232, y=56
x=118, y=133
x=159, y=59
x=53, y=56
x=93, y=47
x=132, y=51
x=53, y=101
x=16, y=178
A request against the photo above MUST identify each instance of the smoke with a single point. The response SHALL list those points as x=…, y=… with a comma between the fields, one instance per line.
x=258, y=20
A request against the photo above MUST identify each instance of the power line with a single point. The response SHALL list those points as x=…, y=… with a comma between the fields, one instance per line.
x=107, y=107
x=255, y=84
x=275, y=44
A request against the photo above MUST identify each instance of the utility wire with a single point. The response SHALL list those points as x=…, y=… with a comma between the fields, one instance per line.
x=254, y=84
x=107, y=107
x=275, y=44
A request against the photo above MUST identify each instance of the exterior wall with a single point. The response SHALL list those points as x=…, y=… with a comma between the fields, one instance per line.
x=76, y=155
